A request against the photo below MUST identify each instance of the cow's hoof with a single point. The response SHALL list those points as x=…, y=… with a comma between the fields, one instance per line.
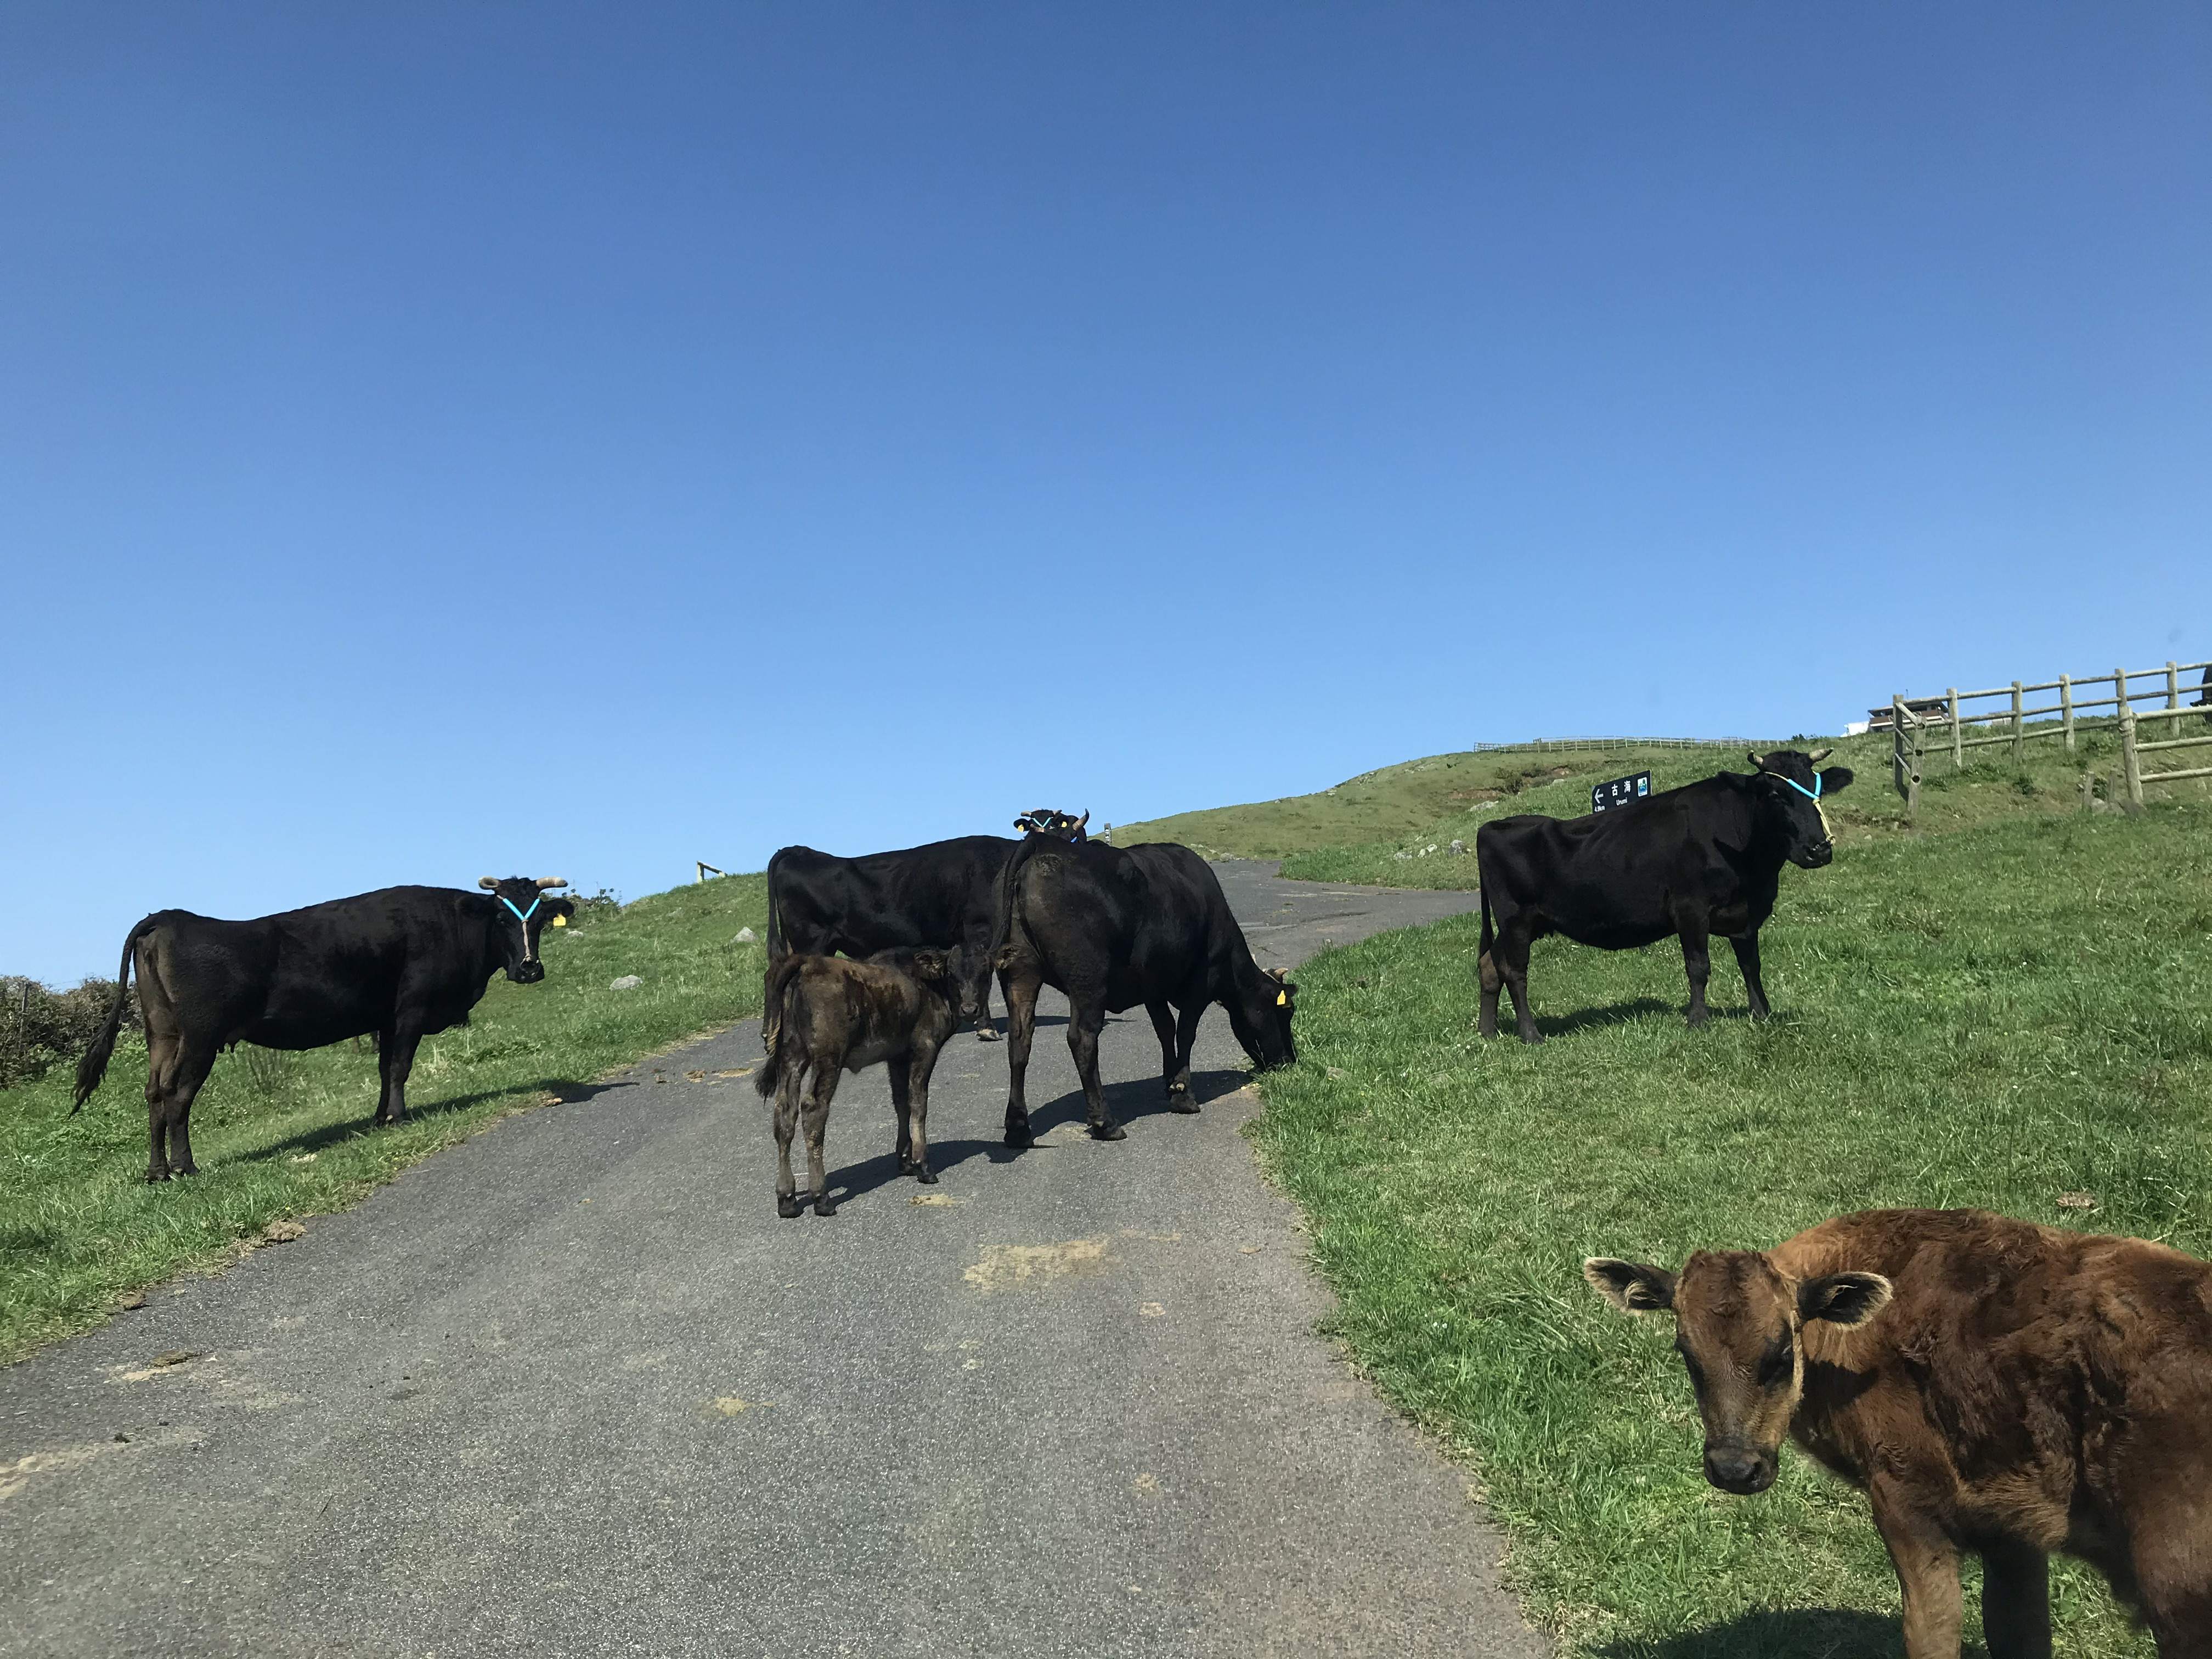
x=825, y=1205
x=786, y=1207
x=155, y=1178
x=1532, y=1038
x=925, y=1175
x=1017, y=1133
x=1179, y=1100
x=184, y=1168
x=1109, y=1132
x=987, y=1034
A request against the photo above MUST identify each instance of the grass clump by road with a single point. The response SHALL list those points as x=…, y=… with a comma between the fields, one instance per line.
x=281, y=1134
x=1998, y=1010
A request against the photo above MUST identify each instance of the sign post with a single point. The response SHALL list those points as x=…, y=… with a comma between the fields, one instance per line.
x=1620, y=791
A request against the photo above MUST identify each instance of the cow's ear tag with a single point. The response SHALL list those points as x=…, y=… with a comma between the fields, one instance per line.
x=1282, y=999
x=560, y=921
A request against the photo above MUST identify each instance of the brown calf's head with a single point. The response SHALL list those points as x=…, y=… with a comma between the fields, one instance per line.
x=520, y=912
x=1738, y=1323
x=1794, y=791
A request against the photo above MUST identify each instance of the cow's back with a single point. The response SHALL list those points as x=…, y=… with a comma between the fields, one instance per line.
x=942, y=893
x=2034, y=1365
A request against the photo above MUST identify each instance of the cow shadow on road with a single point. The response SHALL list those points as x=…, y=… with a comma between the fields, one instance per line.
x=314, y=1140
x=1140, y=1099
x=1803, y=1633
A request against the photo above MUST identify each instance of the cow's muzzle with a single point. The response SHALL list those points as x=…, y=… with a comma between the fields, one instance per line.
x=1819, y=854
x=526, y=973
x=1739, y=1469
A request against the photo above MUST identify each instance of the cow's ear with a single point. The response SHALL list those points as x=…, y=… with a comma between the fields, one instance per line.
x=1843, y=1298
x=1632, y=1286
x=929, y=965
x=1835, y=778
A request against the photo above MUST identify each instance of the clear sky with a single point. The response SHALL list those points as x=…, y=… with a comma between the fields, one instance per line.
x=445, y=441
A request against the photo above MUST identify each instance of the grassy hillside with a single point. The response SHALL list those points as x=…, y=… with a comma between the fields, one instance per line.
x=1387, y=807
x=2002, y=1009
x=280, y=1134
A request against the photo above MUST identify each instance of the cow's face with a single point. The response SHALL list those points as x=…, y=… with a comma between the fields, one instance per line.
x=1738, y=1326
x=1794, y=790
x=521, y=908
x=1053, y=824
x=1261, y=1017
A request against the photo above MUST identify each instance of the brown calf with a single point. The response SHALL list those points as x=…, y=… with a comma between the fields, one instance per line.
x=823, y=1015
x=1992, y=1386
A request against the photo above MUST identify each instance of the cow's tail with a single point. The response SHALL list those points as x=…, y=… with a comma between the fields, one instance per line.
x=775, y=992
x=94, y=1066
x=1485, y=961
x=1003, y=927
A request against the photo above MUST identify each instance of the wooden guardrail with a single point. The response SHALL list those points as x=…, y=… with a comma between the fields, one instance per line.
x=1913, y=724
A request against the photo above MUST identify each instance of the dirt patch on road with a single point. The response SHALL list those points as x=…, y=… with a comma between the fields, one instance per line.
x=1004, y=1266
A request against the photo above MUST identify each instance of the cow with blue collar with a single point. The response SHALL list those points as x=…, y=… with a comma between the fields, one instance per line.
x=401, y=963
x=1688, y=863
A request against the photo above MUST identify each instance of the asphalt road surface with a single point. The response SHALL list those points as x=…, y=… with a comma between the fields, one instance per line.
x=572, y=1388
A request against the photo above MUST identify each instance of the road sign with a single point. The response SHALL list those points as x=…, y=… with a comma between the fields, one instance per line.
x=1618, y=791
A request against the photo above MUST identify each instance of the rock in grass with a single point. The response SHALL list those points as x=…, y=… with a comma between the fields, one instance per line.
x=626, y=982
x=745, y=936
x=1458, y=847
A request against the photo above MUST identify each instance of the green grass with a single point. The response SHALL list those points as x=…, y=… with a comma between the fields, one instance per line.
x=2004, y=1006
x=281, y=1134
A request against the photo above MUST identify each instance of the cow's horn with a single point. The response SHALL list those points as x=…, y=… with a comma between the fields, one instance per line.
x=544, y=882
x=1085, y=819
x=490, y=883
x=1819, y=755
x=1757, y=759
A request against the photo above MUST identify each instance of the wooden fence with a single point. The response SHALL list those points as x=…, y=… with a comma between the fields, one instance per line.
x=1543, y=744
x=1960, y=725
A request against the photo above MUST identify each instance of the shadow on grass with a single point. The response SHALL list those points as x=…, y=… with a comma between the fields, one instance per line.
x=1807, y=1633
x=1611, y=1013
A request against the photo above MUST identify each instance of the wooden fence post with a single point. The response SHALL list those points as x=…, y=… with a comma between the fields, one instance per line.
x=1958, y=749
x=2130, y=763
x=2018, y=742
x=2173, y=698
x=2066, y=706
x=1904, y=763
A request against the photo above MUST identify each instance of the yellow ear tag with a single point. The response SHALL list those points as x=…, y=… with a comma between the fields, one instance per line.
x=560, y=921
x=1282, y=999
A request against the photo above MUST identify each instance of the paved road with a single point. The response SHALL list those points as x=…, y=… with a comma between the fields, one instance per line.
x=572, y=1389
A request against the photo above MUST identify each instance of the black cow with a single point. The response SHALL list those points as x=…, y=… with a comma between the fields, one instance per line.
x=1703, y=859
x=402, y=963
x=944, y=896
x=2204, y=696
x=1112, y=927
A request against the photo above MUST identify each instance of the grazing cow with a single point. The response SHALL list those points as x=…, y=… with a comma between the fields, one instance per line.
x=1112, y=927
x=402, y=963
x=833, y=1015
x=1703, y=859
x=1992, y=1386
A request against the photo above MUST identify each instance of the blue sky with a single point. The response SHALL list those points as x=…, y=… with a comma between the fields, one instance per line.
x=438, y=441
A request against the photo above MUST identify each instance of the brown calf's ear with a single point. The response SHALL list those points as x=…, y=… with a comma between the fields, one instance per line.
x=490, y=883
x=1632, y=1286
x=1843, y=1298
